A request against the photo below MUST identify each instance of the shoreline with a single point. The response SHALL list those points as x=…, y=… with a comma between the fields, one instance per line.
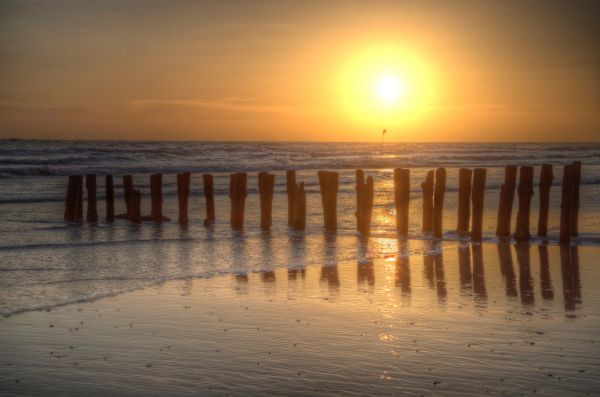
x=411, y=324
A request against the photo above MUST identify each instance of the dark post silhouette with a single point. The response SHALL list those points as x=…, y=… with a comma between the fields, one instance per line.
x=266, y=184
x=299, y=208
x=110, y=198
x=127, y=196
x=156, y=199
x=364, y=202
x=401, y=199
x=464, y=200
x=328, y=182
x=79, y=198
x=237, y=194
x=290, y=177
x=136, y=204
x=209, y=195
x=575, y=202
x=507, y=196
x=525, y=192
x=479, y=176
x=438, y=201
x=566, y=204
x=546, y=178
x=73, y=200
x=427, y=187
x=92, y=209
x=183, y=193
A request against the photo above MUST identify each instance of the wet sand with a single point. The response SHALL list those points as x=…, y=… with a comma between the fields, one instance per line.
x=474, y=320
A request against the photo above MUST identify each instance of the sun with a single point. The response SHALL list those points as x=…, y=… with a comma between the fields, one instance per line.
x=385, y=85
x=389, y=88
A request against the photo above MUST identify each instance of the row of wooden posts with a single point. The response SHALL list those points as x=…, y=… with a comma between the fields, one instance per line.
x=470, y=200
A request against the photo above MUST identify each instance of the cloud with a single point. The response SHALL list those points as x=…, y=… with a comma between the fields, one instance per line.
x=246, y=105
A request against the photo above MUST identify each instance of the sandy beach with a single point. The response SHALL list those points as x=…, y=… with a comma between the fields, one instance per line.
x=487, y=319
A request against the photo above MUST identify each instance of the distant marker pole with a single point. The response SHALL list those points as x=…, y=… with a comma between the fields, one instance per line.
x=382, y=135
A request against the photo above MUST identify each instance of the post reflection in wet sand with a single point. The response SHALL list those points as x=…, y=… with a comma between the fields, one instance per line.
x=525, y=280
x=569, y=264
x=507, y=269
x=329, y=272
x=464, y=268
x=479, y=287
x=403, y=269
x=545, y=279
x=440, y=281
x=365, y=272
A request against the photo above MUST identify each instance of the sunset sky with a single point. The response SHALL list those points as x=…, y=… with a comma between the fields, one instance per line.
x=300, y=70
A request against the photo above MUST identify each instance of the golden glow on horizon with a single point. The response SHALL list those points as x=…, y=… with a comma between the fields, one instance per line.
x=386, y=86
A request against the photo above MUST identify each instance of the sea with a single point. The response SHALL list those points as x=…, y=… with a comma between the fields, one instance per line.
x=45, y=262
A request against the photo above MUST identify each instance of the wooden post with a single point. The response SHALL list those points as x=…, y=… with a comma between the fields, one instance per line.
x=464, y=200
x=364, y=203
x=479, y=176
x=328, y=182
x=525, y=192
x=92, y=209
x=507, y=197
x=156, y=198
x=401, y=199
x=127, y=195
x=576, y=167
x=299, y=209
x=427, y=187
x=266, y=185
x=79, y=198
x=438, y=201
x=209, y=195
x=110, y=198
x=69, y=213
x=290, y=176
x=136, y=204
x=237, y=194
x=566, y=205
x=546, y=178
x=183, y=193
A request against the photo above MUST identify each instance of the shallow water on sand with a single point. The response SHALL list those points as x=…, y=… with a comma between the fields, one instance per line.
x=45, y=262
x=455, y=319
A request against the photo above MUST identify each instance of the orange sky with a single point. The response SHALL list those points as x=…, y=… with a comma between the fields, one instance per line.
x=284, y=70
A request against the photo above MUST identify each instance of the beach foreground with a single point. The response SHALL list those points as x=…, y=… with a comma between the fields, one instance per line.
x=460, y=320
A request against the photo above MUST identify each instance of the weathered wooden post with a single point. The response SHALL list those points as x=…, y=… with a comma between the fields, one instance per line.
x=110, y=198
x=209, y=195
x=92, y=209
x=401, y=199
x=156, y=198
x=328, y=182
x=266, y=185
x=576, y=167
x=78, y=198
x=183, y=193
x=479, y=176
x=546, y=178
x=69, y=213
x=566, y=203
x=364, y=202
x=136, y=204
x=438, y=201
x=237, y=194
x=299, y=209
x=525, y=192
x=464, y=200
x=507, y=197
x=427, y=187
x=290, y=177
x=127, y=195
